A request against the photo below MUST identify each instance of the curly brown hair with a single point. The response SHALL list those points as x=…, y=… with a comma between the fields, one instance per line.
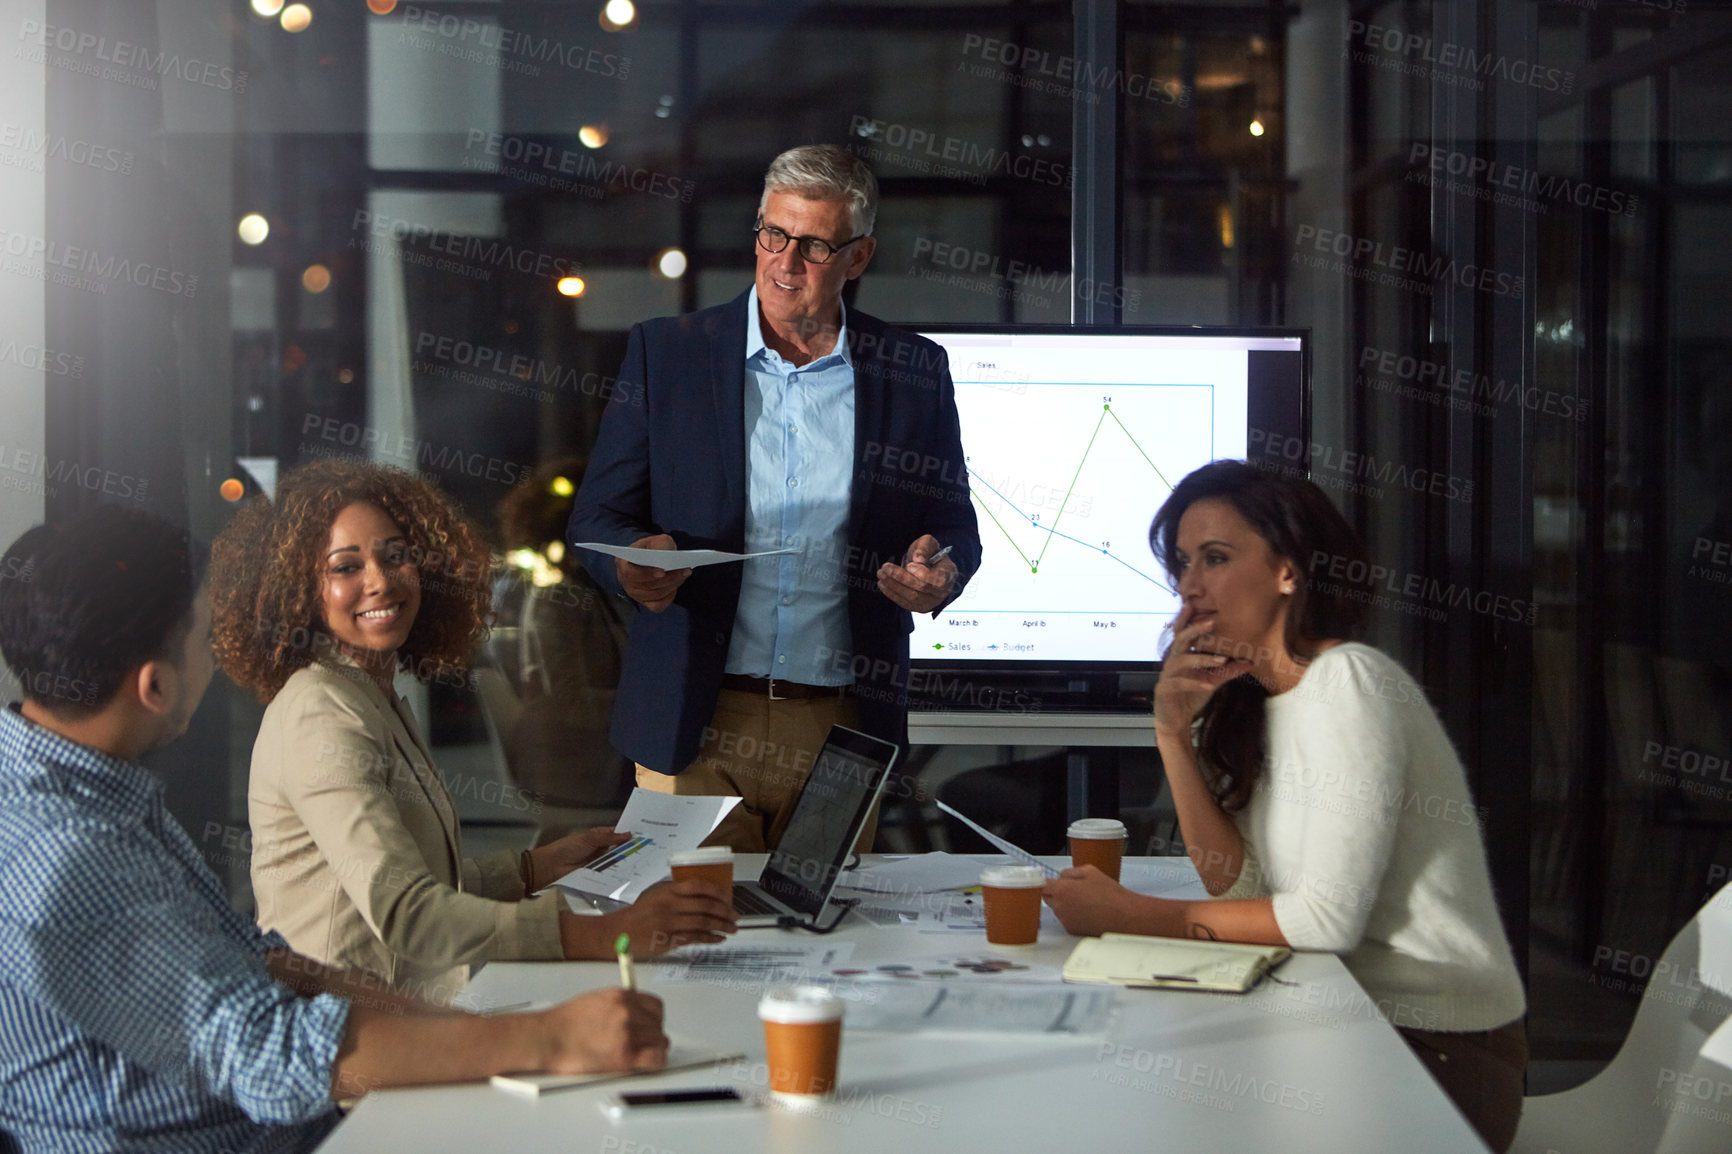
x=265, y=574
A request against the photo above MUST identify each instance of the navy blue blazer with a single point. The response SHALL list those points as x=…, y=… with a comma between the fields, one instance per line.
x=671, y=458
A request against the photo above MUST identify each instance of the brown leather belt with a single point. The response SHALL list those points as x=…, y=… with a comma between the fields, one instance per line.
x=778, y=690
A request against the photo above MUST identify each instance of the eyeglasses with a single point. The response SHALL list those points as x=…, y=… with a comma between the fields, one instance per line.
x=813, y=248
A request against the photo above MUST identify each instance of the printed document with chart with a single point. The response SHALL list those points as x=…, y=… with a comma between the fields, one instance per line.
x=660, y=824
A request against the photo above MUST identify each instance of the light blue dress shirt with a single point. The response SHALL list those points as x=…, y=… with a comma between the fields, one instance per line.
x=792, y=620
x=137, y=1014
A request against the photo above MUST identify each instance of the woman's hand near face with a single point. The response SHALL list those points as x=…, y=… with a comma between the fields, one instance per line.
x=1189, y=676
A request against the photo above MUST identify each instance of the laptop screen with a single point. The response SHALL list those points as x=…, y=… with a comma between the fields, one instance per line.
x=845, y=780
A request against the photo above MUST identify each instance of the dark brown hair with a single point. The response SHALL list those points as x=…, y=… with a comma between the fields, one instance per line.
x=266, y=573
x=85, y=602
x=1300, y=525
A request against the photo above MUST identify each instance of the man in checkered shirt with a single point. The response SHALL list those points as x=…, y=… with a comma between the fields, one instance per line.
x=138, y=1010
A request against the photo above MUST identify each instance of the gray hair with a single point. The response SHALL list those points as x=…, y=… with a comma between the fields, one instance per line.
x=826, y=172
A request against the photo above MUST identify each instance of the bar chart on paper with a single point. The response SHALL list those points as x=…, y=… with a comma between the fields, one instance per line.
x=1065, y=475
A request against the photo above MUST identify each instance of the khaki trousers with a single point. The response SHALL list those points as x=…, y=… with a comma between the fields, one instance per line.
x=760, y=751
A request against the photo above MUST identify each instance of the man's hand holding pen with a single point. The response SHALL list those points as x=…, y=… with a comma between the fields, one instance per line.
x=924, y=580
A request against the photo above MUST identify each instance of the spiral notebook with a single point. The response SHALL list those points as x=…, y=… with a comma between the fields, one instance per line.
x=1139, y=962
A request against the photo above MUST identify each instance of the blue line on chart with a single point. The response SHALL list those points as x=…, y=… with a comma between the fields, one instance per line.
x=975, y=477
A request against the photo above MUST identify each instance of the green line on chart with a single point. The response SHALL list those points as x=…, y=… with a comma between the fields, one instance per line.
x=1139, y=448
x=1000, y=525
x=1053, y=528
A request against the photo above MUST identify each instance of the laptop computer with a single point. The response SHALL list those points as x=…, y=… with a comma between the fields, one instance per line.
x=846, y=779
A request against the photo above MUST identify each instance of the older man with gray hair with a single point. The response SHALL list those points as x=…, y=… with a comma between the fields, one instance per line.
x=779, y=421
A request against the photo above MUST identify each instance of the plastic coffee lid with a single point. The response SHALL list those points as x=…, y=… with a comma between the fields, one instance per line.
x=1013, y=878
x=798, y=1005
x=1096, y=828
x=704, y=855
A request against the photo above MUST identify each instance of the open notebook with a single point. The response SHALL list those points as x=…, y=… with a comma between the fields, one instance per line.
x=1171, y=963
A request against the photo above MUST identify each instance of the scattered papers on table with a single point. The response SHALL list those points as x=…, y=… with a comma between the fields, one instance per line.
x=975, y=966
x=670, y=559
x=731, y=964
x=660, y=824
x=943, y=1007
x=920, y=874
x=945, y=910
x=1011, y=848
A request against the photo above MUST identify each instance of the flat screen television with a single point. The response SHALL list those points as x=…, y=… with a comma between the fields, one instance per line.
x=1073, y=438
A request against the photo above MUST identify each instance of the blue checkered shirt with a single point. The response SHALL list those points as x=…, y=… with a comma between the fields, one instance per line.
x=136, y=1013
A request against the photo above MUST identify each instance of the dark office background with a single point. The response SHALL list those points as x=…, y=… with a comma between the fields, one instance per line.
x=1504, y=224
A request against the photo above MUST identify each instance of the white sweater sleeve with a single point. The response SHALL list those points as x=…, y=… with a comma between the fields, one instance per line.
x=1334, y=782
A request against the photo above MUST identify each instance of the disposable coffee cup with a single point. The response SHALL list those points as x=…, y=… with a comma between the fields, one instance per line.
x=1098, y=841
x=1012, y=904
x=802, y=1041
x=712, y=863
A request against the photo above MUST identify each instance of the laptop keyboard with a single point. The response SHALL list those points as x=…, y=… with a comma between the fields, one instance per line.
x=752, y=902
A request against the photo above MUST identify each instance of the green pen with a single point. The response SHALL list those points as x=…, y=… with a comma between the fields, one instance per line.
x=627, y=974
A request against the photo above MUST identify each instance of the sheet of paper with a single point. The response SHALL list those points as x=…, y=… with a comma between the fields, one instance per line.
x=681, y=1056
x=660, y=824
x=1014, y=850
x=676, y=558
x=733, y=964
x=1177, y=879
x=919, y=874
x=962, y=967
x=945, y=1007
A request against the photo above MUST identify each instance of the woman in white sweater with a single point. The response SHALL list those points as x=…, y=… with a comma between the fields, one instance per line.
x=1317, y=793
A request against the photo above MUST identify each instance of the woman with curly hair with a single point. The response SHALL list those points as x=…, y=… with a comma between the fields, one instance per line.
x=354, y=572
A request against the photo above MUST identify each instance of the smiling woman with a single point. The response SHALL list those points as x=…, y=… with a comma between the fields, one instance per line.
x=371, y=590
x=281, y=567
x=356, y=572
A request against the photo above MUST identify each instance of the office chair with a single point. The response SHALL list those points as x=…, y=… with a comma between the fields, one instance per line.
x=1648, y=1099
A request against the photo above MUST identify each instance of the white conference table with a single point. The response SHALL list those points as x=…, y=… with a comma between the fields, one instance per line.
x=1306, y=1066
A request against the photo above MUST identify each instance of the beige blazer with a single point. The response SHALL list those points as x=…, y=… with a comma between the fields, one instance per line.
x=357, y=856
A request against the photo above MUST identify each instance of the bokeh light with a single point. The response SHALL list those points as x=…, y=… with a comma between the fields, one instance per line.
x=593, y=135
x=232, y=490
x=316, y=278
x=267, y=8
x=253, y=228
x=571, y=286
x=296, y=18
x=671, y=263
x=618, y=15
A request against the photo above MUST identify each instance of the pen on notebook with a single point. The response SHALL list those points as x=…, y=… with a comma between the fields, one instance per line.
x=627, y=973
